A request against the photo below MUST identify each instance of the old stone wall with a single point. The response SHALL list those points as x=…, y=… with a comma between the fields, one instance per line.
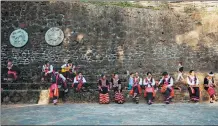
x=116, y=39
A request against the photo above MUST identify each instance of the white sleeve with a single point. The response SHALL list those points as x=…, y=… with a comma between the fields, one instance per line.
x=188, y=81
x=171, y=82
x=160, y=81
x=140, y=81
x=63, y=66
x=62, y=77
x=153, y=82
x=51, y=69
x=75, y=81
x=84, y=80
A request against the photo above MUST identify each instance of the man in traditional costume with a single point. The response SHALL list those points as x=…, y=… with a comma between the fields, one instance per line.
x=78, y=82
x=58, y=81
x=166, y=87
x=149, y=92
x=68, y=70
x=103, y=85
x=193, y=88
x=47, y=70
x=209, y=86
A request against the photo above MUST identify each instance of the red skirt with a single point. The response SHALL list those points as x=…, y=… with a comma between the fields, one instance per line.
x=53, y=87
x=119, y=98
x=104, y=98
x=211, y=91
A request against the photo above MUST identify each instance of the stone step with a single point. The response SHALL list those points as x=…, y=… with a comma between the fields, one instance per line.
x=41, y=96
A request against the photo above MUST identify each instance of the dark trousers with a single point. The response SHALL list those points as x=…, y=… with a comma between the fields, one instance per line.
x=116, y=89
x=196, y=93
x=136, y=90
x=149, y=96
x=167, y=93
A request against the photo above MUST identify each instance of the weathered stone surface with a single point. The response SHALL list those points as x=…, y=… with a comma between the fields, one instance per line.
x=116, y=39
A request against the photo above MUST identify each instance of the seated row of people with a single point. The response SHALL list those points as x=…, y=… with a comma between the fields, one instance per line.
x=104, y=87
x=150, y=87
x=136, y=84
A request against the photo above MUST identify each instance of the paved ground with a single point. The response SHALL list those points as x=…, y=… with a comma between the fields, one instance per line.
x=84, y=114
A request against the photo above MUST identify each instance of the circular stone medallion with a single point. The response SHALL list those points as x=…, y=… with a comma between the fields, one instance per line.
x=18, y=38
x=54, y=36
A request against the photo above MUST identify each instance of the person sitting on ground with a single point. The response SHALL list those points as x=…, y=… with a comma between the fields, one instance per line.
x=103, y=85
x=13, y=71
x=209, y=86
x=149, y=92
x=137, y=78
x=136, y=90
x=117, y=87
x=47, y=70
x=166, y=87
x=78, y=82
x=68, y=70
x=193, y=88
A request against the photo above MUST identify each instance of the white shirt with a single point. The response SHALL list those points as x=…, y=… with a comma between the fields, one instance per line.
x=79, y=78
x=192, y=82
x=149, y=80
x=166, y=79
x=50, y=68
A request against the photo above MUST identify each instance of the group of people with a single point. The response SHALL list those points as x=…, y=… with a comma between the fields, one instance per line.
x=150, y=86
x=60, y=77
x=68, y=73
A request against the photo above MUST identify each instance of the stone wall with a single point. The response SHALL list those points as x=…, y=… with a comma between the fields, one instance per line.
x=116, y=38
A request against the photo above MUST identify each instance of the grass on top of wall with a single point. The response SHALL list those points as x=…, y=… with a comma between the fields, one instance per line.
x=126, y=4
x=120, y=4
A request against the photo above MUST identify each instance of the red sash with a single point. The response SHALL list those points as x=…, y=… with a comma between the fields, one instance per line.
x=149, y=89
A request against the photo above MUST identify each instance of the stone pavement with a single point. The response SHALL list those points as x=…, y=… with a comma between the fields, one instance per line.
x=126, y=114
